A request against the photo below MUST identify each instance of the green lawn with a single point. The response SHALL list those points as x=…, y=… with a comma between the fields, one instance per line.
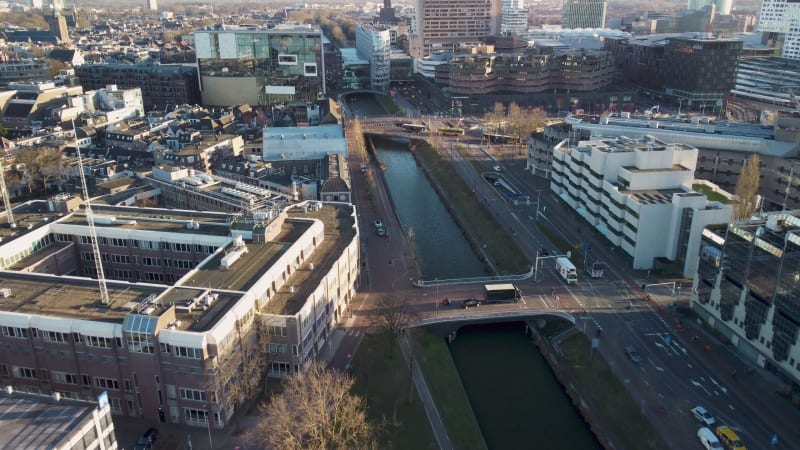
x=445, y=386
x=499, y=245
x=710, y=194
x=382, y=377
x=607, y=393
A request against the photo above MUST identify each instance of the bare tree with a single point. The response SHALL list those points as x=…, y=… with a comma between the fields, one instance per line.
x=394, y=316
x=316, y=410
x=496, y=115
x=747, y=188
x=39, y=166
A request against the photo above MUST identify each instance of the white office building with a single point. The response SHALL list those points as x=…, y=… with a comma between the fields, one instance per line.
x=639, y=195
x=780, y=16
x=374, y=43
x=514, y=19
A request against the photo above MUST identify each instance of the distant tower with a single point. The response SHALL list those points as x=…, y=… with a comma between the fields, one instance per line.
x=58, y=26
x=723, y=6
x=387, y=13
x=584, y=14
x=57, y=5
x=152, y=5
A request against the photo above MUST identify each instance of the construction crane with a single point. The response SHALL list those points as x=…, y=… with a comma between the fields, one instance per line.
x=6, y=200
x=98, y=262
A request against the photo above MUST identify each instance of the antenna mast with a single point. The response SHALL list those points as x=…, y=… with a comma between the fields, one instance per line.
x=98, y=262
x=6, y=200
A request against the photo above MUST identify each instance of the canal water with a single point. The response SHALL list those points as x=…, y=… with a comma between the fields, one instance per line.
x=516, y=398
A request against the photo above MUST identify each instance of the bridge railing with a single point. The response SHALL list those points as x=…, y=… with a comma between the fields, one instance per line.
x=475, y=280
x=444, y=318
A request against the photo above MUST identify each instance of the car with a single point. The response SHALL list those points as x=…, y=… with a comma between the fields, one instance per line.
x=378, y=223
x=148, y=438
x=707, y=438
x=497, y=169
x=470, y=302
x=729, y=439
x=544, y=252
x=703, y=416
x=380, y=231
x=633, y=354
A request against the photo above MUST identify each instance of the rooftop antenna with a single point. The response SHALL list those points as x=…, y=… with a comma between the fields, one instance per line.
x=6, y=200
x=98, y=262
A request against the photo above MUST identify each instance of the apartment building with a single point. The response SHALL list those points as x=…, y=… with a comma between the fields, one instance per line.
x=584, y=14
x=191, y=297
x=746, y=288
x=162, y=85
x=640, y=195
x=373, y=43
x=55, y=422
x=255, y=66
x=453, y=24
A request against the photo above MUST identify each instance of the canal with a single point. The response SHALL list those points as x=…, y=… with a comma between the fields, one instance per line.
x=517, y=399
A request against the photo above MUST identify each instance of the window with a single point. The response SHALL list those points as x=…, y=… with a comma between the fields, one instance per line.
x=276, y=331
x=94, y=341
x=165, y=348
x=188, y=352
x=25, y=372
x=65, y=378
x=140, y=343
x=106, y=383
x=55, y=336
x=195, y=415
x=279, y=367
x=278, y=348
x=15, y=332
x=192, y=394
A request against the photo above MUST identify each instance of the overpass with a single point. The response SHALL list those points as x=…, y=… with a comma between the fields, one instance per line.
x=448, y=322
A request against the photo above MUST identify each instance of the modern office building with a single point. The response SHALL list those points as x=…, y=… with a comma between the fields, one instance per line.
x=260, y=66
x=162, y=85
x=720, y=6
x=373, y=43
x=25, y=70
x=639, y=195
x=152, y=5
x=778, y=17
x=514, y=18
x=192, y=297
x=767, y=80
x=55, y=421
x=584, y=14
x=747, y=288
x=452, y=24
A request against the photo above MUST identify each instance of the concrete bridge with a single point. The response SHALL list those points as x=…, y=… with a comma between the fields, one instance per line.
x=445, y=322
x=362, y=91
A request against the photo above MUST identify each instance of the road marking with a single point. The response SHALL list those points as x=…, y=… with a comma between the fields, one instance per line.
x=700, y=386
x=658, y=368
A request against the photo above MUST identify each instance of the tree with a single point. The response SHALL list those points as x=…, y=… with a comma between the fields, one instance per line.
x=394, y=316
x=496, y=115
x=316, y=410
x=524, y=123
x=747, y=188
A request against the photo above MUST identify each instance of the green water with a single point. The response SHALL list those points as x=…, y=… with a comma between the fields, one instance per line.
x=518, y=402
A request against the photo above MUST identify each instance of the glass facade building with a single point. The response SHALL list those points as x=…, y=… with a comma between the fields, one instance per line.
x=748, y=287
x=239, y=65
x=373, y=43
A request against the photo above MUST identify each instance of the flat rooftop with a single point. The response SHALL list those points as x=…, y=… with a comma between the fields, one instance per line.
x=73, y=298
x=39, y=422
x=159, y=220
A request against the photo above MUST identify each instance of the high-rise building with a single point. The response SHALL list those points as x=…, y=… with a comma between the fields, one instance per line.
x=779, y=16
x=57, y=5
x=387, y=13
x=373, y=43
x=514, y=19
x=747, y=287
x=58, y=26
x=449, y=24
x=152, y=5
x=722, y=6
x=248, y=65
x=584, y=14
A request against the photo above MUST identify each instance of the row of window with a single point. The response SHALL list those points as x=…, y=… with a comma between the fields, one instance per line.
x=146, y=245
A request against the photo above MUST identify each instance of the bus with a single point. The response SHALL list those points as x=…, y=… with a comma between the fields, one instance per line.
x=451, y=131
x=414, y=128
x=495, y=293
x=496, y=138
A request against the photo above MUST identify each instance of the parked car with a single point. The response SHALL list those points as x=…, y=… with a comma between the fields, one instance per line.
x=633, y=354
x=380, y=231
x=148, y=438
x=703, y=416
x=729, y=439
x=378, y=223
x=707, y=438
x=470, y=302
x=497, y=169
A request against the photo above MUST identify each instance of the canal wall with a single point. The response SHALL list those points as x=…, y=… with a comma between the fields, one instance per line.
x=565, y=377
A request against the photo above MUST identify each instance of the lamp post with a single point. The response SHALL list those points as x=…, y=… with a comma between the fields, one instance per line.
x=436, y=280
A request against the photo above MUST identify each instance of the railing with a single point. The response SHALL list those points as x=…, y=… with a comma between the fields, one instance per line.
x=474, y=280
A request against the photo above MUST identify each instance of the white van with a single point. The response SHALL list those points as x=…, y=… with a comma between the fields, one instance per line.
x=708, y=439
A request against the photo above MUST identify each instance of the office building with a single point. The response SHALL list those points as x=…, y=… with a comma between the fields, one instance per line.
x=24, y=71
x=584, y=14
x=152, y=5
x=162, y=85
x=452, y=24
x=720, y=6
x=640, y=195
x=373, y=43
x=255, y=66
x=778, y=17
x=747, y=288
x=514, y=18
x=188, y=292
x=34, y=421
